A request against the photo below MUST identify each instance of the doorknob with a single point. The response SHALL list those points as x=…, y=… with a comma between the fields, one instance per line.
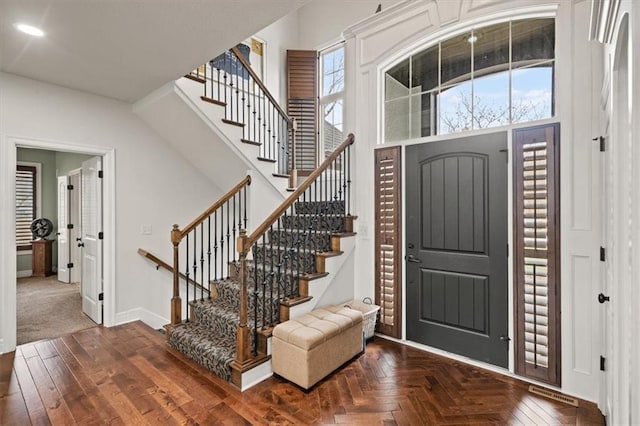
x=412, y=258
x=602, y=298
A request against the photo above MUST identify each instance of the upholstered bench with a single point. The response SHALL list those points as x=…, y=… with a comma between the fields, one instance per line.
x=307, y=348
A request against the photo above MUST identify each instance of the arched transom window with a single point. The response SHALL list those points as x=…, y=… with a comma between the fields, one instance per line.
x=487, y=77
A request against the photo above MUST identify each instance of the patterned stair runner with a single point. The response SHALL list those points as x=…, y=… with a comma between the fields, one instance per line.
x=209, y=337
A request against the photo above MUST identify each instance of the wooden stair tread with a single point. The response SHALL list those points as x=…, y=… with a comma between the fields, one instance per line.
x=213, y=101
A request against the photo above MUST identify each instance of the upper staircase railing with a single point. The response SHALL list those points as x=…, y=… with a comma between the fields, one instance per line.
x=230, y=81
x=209, y=247
x=310, y=209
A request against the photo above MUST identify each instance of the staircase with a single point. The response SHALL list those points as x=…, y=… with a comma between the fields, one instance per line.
x=210, y=336
x=232, y=286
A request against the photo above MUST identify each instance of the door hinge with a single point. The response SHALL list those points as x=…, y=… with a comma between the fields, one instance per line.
x=69, y=187
x=100, y=174
x=603, y=360
x=100, y=235
x=101, y=296
x=69, y=265
x=603, y=254
x=602, y=144
x=70, y=226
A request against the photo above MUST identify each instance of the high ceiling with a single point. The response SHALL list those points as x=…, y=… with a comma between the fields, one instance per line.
x=125, y=49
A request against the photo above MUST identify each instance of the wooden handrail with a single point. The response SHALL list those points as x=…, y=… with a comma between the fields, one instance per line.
x=162, y=264
x=255, y=235
x=226, y=197
x=260, y=84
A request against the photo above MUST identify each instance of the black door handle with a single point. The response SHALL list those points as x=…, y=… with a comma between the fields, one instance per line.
x=602, y=298
x=80, y=244
x=412, y=258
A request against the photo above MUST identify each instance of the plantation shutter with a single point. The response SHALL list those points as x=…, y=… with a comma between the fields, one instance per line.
x=387, y=239
x=25, y=205
x=302, y=104
x=536, y=215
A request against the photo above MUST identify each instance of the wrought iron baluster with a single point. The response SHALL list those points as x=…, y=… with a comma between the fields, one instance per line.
x=224, y=86
x=201, y=261
x=348, y=201
x=222, y=269
x=254, y=138
x=234, y=228
x=245, y=206
x=195, y=263
x=228, y=236
x=255, y=299
x=209, y=255
x=215, y=245
x=186, y=266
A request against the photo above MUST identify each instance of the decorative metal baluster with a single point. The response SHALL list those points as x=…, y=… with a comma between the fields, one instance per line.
x=234, y=228
x=300, y=227
x=272, y=274
x=228, y=237
x=245, y=206
x=224, y=86
x=265, y=277
x=344, y=184
x=195, y=264
x=282, y=242
x=215, y=245
x=240, y=70
x=218, y=96
x=255, y=299
x=201, y=261
x=233, y=71
x=348, y=204
x=209, y=255
x=255, y=126
x=186, y=266
x=222, y=243
x=245, y=81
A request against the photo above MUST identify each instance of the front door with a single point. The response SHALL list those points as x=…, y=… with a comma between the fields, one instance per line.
x=456, y=236
x=91, y=239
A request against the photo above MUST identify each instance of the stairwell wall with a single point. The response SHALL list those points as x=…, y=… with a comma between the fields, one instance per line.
x=154, y=186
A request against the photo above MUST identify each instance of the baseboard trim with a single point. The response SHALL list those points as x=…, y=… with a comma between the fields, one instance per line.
x=24, y=274
x=151, y=319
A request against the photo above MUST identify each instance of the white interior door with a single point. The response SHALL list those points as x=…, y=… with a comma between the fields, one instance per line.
x=91, y=241
x=64, y=274
x=75, y=252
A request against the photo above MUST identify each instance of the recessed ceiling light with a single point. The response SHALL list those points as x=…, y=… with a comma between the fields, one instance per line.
x=29, y=29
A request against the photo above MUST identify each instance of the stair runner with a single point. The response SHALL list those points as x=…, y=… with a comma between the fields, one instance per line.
x=209, y=337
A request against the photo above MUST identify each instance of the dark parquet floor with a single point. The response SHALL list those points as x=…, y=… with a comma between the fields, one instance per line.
x=128, y=375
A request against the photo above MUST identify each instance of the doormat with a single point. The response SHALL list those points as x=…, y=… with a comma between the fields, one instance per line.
x=553, y=395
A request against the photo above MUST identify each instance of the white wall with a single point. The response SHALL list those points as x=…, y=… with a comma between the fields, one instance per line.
x=154, y=185
x=391, y=35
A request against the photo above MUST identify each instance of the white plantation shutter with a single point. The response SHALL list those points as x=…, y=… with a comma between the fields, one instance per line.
x=387, y=239
x=25, y=205
x=536, y=236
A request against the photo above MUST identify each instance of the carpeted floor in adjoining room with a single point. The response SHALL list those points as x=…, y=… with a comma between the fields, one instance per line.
x=48, y=308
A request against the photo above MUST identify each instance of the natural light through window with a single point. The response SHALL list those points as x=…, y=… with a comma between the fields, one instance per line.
x=487, y=77
x=332, y=98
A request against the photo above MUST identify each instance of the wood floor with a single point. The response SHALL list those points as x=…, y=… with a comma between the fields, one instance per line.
x=128, y=375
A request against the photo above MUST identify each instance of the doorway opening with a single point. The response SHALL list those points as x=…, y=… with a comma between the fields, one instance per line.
x=57, y=279
x=8, y=247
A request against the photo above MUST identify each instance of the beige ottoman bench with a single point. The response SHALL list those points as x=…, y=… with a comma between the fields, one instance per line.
x=307, y=348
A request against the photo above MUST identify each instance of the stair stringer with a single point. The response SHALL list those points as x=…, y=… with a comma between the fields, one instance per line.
x=195, y=129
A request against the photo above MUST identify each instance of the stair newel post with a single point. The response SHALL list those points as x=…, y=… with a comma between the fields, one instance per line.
x=243, y=348
x=176, y=302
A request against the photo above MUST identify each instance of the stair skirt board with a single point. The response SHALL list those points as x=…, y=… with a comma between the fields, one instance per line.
x=209, y=338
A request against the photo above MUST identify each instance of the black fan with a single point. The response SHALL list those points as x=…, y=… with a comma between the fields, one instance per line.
x=41, y=228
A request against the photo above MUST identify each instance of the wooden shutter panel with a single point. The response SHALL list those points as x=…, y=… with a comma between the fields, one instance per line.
x=302, y=104
x=25, y=205
x=387, y=239
x=537, y=252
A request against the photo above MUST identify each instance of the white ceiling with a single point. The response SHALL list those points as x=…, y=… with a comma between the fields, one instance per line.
x=125, y=49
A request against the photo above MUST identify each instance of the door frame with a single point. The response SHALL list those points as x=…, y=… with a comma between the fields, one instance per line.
x=8, y=160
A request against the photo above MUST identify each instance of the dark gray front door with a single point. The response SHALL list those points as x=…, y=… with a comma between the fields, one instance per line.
x=457, y=296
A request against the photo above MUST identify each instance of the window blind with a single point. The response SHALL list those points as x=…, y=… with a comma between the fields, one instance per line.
x=25, y=205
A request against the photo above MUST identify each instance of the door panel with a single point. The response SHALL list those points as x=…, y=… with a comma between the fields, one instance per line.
x=75, y=233
x=457, y=269
x=91, y=202
x=64, y=274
